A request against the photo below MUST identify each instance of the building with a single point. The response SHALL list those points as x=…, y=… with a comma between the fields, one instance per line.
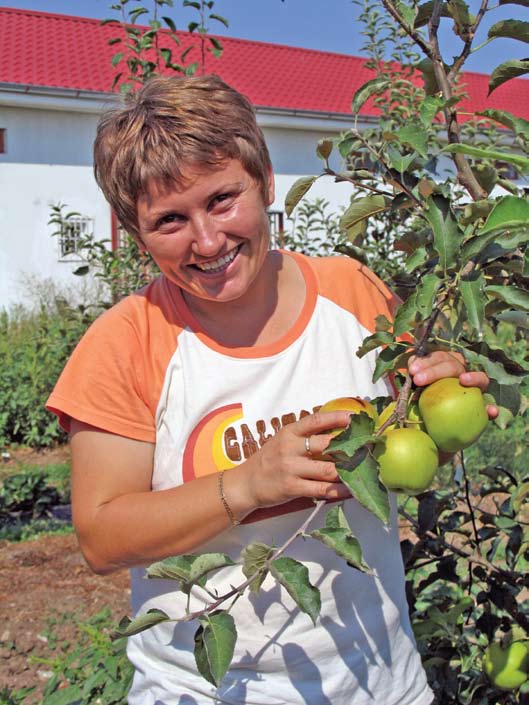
x=55, y=79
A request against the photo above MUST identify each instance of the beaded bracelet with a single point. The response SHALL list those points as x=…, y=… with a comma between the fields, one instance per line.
x=234, y=521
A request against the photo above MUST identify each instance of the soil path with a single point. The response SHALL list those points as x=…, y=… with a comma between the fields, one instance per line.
x=42, y=580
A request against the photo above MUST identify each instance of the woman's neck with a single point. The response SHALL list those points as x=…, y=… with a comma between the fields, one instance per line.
x=264, y=314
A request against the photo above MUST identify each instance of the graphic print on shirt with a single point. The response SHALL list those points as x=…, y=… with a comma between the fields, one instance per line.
x=221, y=441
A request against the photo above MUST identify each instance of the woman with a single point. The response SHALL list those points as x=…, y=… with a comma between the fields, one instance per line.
x=191, y=409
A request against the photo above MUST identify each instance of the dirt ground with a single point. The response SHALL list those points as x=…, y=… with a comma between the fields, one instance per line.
x=41, y=580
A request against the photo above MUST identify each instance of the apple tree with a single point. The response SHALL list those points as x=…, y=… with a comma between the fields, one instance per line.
x=430, y=185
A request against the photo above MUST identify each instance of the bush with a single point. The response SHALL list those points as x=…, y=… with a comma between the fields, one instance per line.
x=30, y=503
x=34, y=347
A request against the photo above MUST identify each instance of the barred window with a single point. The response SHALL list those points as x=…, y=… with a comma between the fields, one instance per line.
x=71, y=236
x=277, y=227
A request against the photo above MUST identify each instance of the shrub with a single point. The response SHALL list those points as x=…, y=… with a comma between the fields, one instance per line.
x=34, y=347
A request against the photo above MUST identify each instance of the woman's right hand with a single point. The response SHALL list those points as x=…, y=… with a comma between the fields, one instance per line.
x=283, y=469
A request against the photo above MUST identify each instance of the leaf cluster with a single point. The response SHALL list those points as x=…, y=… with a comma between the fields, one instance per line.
x=93, y=669
x=148, y=50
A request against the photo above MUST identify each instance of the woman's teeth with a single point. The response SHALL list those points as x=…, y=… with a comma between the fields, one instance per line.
x=220, y=263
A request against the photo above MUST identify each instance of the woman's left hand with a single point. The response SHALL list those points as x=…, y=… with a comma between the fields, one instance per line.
x=441, y=363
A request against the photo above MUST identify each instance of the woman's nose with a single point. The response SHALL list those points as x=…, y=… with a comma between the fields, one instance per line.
x=208, y=238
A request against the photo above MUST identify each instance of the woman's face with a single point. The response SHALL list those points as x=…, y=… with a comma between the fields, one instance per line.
x=211, y=235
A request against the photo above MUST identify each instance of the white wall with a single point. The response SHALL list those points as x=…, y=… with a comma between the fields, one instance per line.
x=49, y=160
x=27, y=192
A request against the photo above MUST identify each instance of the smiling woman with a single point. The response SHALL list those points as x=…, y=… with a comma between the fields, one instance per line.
x=220, y=366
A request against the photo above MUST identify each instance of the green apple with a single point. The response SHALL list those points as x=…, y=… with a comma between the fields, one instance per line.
x=413, y=416
x=506, y=667
x=355, y=405
x=408, y=460
x=454, y=416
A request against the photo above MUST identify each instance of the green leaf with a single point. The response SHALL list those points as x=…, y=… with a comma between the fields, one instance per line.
x=365, y=486
x=518, y=298
x=188, y=568
x=447, y=236
x=214, y=645
x=429, y=108
x=416, y=259
x=482, y=153
x=510, y=29
x=474, y=300
x=425, y=12
x=399, y=162
x=505, y=395
x=324, y=148
x=516, y=318
x=504, y=72
x=71, y=695
x=416, y=138
x=254, y=557
x=343, y=543
x=296, y=192
x=459, y=11
x=418, y=306
x=81, y=271
x=363, y=208
x=407, y=12
x=494, y=362
x=335, y=518
x=462, y=606
x=376, y=86
x=518, y=125
x=372, y=342
x=128, y=627
x=391, y=359
x=494, y=244
x=294, y=577
x=357, y=434
x=170, y=23
x=509, y=212
x=220, y=19
x=425, y=66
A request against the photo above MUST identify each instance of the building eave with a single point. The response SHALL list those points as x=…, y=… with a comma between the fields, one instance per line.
x=16, y=95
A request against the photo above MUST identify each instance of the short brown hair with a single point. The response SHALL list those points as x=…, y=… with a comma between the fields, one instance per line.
x=168, y=125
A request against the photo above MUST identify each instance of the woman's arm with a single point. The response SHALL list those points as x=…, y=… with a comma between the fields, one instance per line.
x=120, y=522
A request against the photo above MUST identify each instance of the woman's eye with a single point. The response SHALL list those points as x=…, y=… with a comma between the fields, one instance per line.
x=223, y=198
x=168, y=219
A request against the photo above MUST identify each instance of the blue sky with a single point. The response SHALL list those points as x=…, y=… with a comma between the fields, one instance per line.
x=327, y=25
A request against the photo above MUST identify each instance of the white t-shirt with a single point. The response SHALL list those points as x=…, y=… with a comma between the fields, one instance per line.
x=147, y=371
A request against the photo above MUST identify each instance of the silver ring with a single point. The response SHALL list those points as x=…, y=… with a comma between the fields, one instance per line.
x=307, y=445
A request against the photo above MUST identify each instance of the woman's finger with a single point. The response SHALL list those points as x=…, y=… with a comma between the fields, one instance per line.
x=316, y=423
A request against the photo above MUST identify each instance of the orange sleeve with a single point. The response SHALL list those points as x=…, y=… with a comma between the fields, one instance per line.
x=114, y=377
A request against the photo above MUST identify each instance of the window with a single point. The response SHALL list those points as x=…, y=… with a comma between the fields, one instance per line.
x=277, y=228
x=73, y=231
x=2, y=140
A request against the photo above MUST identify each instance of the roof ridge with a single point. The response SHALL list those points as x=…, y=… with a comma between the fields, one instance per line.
x=94, y=20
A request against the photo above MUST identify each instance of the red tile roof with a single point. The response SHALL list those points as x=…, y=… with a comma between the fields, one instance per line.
x=43, y=49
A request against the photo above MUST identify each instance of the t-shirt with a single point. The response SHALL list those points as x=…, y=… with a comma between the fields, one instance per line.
x=146, y=370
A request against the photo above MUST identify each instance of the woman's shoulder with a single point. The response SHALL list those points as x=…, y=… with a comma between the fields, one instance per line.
x=154, y=305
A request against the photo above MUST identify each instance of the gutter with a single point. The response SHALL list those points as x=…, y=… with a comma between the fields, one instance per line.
x=17, y=95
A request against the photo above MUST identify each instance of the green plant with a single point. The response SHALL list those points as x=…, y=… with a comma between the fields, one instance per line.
x=34, y=347
x=94, y=669
x=146, y=51
x=314, y=231
x=14, y=697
